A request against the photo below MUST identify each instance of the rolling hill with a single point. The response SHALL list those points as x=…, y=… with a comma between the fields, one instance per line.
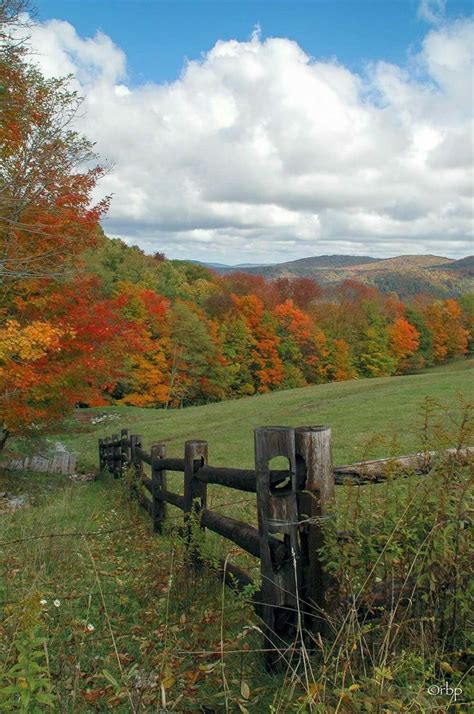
x=405, y=274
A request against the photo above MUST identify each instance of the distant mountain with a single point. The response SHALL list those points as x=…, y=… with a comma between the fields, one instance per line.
x=464, y=265
x=309, y=267
x=224, y=268
x=404, y=274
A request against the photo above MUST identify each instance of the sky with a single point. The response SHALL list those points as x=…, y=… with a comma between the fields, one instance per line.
x=265, y=131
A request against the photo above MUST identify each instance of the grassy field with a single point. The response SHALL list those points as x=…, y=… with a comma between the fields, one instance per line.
x=114, y=619
x=356, y=411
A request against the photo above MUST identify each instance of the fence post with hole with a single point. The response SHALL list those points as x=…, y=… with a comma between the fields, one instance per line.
x=278, y=517
x=315, y=506
x=158, y=486
x=195, y=492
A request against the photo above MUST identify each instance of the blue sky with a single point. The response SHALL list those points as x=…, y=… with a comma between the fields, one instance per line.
x=341, y=126
x=158, y=36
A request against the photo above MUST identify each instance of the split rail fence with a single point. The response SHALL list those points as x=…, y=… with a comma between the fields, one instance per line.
x=295, y=593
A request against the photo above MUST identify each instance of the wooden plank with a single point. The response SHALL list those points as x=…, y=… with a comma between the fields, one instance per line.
x=240, y=479
x=243, y=535
x=175, y=499
x=234, y=577
x=71, y=466
x=171, y=465
x=142, y=455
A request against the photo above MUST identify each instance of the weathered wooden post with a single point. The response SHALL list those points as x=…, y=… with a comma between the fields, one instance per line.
x=124, y=451
x=315, y=506
x=109, y=451
x=116, y=455
x=278, y=516
x=195, y=492
x=137, y=464
x=102, y=456
x=158, y=485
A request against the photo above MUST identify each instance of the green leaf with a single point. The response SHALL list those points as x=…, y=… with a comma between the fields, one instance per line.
x=110, y=678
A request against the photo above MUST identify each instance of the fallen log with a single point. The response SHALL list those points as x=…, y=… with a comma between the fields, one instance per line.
x=382, y=469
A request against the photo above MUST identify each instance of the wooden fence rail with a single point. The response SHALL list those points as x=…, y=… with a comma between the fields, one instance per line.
x=292, y=506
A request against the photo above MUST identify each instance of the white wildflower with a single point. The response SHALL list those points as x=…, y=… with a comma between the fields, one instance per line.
x=57, y=603
x=43, y=602
x=90, y=627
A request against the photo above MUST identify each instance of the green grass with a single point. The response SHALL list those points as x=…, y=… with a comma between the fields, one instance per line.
x=88, y=546
x=356, y=411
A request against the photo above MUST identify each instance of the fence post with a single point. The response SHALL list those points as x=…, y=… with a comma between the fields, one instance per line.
x=315, y=506
x=109, y=454
x=116, y=455
x=278, y=515
x=158, y=485
x=102, y=458
x=137, y=464
x=124, y=451
x=195, y=492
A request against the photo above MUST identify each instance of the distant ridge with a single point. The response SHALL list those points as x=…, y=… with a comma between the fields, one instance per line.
x=225, y=266
x=465, y=265
x=405, y=275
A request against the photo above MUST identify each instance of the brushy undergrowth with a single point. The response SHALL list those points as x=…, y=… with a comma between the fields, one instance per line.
x=99, y=614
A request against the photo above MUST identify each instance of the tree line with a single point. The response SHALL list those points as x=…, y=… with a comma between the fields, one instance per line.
x=205, y=337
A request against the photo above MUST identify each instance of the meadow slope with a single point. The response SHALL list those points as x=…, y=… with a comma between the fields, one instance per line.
x=356, y=410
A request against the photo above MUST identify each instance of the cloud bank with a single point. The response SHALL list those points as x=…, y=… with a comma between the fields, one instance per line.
x=261, y=153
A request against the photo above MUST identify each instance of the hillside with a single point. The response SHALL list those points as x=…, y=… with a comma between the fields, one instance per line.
x=405, y=274
x=357, y=410
x=464, y=265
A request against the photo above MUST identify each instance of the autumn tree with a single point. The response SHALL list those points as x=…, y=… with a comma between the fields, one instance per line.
x=444, y=319
x=77, y=340
x=46, y=217
x=340, y=362
x=197, y=364
x=265, y=363
x=146, y=382
x=302, y=291
x=68, y=348
x=303, y=346
x=404, y=340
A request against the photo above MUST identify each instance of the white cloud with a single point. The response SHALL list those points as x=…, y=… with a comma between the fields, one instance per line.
x=432, y=11
x=259, y=152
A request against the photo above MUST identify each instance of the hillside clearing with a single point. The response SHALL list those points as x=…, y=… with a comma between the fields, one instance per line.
x=357, y=411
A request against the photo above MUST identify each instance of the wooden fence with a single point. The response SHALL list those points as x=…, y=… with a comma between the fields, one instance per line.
x=296, y=593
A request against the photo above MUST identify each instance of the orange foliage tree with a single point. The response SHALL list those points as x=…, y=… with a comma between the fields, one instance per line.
x=445, y=321
x=265, y=362
x=60, y=342
x=69, y=348
x=404, y=340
